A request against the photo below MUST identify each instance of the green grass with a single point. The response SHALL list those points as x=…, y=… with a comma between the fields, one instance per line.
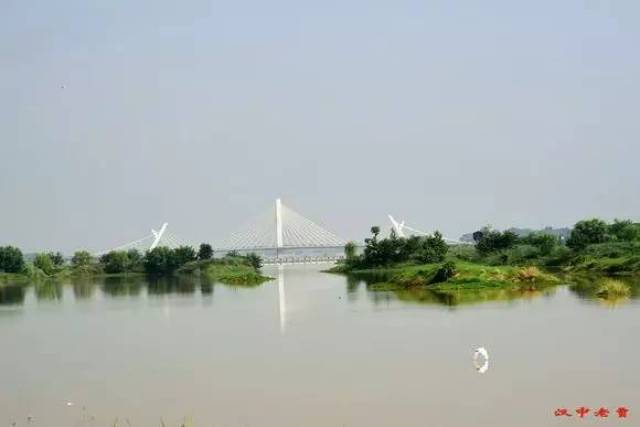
x=468, y=275
x=235, y=273
x=611, y=288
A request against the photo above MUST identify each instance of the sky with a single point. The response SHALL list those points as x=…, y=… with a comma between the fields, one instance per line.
x=116, y=116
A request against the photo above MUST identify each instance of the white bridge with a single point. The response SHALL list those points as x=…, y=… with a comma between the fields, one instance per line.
x=280, y=235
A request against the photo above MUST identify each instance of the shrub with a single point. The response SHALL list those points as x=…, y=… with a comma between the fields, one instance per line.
x=610, y=288
x=445, y=272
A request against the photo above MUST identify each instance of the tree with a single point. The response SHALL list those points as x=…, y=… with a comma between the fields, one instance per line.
x=135, y=258
x=44, y=262
x=545, y=243
x=183, y=255
x=160, y=260
x=624, y=230
x=254, y=260
x=493, y=241
x=205, y=252
x=82, y=259
x=57, y=258
x=115, y=262
x=350, y=250
x=11, y=260
x=588, y=232
x=433, y=249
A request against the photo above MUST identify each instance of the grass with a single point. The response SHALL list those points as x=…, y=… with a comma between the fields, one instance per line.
x=613, y=289
x=235, y=273
x=468, y=275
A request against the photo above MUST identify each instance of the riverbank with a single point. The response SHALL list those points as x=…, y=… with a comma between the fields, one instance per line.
x=225, y=270
x=231, y=271
x=448, y=276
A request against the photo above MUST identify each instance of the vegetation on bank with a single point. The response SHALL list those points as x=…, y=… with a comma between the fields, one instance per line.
x=497, y=259
x=158, y=262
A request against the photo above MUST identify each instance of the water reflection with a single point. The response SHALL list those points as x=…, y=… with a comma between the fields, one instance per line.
x=122, y=286
x=608, y=291
x=83, y=288
x=49, y=290
x=11, y=295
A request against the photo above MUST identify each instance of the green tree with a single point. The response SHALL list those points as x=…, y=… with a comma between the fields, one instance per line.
x=57, y=258
x=160, y=260
x=115, y=262
x=588, y=232
x=350, y=250
x=135, y=259
x=544, y=243
x=82, y=259
x=11, y=260
x=205, y=251
x=254, y=260
x=433, y=249
x=183, y=255
x=493, y=241
x=44, y=262
x=624, y=230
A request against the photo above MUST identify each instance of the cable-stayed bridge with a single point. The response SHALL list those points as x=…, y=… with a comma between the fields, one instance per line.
x=279, y=235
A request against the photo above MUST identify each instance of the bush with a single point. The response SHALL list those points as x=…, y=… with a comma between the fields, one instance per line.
x=11, y=260
x=445, y=272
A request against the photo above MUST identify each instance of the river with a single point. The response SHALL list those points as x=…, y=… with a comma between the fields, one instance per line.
x=310, y=349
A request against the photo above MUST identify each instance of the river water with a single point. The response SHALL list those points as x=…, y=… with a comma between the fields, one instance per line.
x=311, y=349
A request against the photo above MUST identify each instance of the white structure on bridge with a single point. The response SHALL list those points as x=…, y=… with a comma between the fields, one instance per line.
x=162, y=237
x=400, y=227
x=281, y=228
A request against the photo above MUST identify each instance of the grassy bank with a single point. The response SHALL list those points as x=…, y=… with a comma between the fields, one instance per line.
x=465, y=275
x=226, y=270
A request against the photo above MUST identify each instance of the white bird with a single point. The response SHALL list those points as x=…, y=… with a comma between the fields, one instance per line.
x=481, y=351
x=69, y=403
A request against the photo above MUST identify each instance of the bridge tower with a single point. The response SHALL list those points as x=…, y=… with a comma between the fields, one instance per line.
x=279, y=235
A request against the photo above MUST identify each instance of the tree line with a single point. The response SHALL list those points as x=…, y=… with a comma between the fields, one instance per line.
x=161, y=260
x=493, y=246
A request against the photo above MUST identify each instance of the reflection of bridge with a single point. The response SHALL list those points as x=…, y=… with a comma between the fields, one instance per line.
x=280, y=235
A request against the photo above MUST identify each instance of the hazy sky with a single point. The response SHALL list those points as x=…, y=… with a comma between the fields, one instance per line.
x=117, y=115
